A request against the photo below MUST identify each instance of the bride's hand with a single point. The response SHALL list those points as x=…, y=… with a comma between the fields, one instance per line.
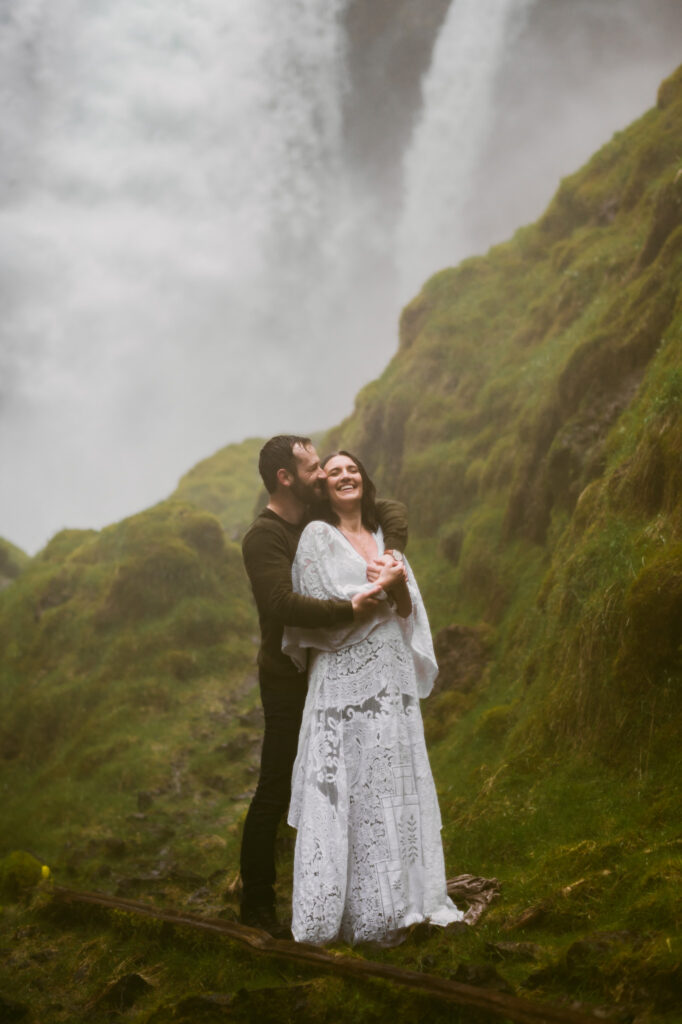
x=373, y=570
x=377, y=564
x=391, y=575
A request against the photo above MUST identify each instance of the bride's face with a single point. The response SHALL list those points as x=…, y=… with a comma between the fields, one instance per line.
x=344, y=482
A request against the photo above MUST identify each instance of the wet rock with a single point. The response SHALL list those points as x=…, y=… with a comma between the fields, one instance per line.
x=389, y=49
x=462, y=653
x=124, y=992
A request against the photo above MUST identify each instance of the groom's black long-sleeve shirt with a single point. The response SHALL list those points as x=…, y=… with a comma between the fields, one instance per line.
x=269, y=547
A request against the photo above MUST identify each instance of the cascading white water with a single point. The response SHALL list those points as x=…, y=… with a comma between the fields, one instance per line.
x=169, y=216
x=458, y=114
x=188, y=253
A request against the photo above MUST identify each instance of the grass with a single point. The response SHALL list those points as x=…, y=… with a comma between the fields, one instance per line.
x=531, y=420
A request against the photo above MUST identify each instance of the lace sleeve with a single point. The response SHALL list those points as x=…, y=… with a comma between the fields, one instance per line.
x=417, y=633
x=321, y=567
x=324, y=568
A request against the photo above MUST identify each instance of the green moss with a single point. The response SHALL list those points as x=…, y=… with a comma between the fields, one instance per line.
x=12, y=561
x=226, y=485
x=653, y=607
x=64, y=544
x=531, y=421
x=496, y=722
x=19, y=873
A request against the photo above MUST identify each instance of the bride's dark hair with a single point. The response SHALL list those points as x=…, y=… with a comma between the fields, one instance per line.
x=323, y=509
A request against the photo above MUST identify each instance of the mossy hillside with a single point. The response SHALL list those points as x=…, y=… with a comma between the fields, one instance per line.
x=531, y=421
x=531, y=418
x=127, y=657
x=12, y=562
x=226, y=484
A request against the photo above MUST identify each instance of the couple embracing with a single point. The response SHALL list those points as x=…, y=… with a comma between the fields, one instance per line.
x=345, y=656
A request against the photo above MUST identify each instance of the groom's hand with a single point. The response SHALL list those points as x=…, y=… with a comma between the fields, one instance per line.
x=365, y=603
x=377, y=564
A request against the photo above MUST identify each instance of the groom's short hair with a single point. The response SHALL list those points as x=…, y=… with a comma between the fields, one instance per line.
x=278, y=453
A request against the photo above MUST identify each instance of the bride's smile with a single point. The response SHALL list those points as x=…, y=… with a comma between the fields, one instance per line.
x=344, y=479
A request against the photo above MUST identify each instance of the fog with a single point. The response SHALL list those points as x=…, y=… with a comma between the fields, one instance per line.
x=190, y=254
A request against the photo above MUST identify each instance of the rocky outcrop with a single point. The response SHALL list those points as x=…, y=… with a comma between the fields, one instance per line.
x=462, y=653
x=389, y=49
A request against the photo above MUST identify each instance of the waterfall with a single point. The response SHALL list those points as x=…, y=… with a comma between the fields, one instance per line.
x=171, y=207
x=202, y=235
x=458, y=112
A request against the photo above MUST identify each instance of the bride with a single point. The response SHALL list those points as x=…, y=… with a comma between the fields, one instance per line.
x=369, y=857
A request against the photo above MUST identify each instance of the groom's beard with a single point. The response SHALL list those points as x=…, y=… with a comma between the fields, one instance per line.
x=307, y=493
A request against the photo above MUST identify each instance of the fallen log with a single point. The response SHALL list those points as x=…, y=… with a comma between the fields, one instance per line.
x=513, y=1008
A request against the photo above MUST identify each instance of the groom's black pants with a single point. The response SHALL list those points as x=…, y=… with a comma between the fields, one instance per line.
x=283, y=698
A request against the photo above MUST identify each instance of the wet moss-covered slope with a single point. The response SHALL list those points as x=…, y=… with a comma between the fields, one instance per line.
x=119, y=649
x=531, y=419
x=226, y=485
x=12, y=561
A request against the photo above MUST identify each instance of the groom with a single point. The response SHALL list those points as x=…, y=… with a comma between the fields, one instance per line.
x=294, y=478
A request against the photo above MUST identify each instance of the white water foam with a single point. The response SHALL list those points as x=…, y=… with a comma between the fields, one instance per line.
x=185, y=257
x=458, y=114
x=170, y=202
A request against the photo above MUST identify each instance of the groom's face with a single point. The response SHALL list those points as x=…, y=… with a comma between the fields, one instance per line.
x=308, y=483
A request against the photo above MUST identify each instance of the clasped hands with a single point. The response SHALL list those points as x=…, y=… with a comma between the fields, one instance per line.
x=386, y=573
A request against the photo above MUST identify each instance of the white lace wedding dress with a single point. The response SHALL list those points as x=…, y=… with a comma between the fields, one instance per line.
x=369, y=857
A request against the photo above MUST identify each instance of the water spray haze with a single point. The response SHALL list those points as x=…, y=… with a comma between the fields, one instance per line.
x=458, y=114
x=189, y=251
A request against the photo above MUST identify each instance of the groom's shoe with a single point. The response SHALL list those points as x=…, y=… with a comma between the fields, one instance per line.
x=263, y=916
